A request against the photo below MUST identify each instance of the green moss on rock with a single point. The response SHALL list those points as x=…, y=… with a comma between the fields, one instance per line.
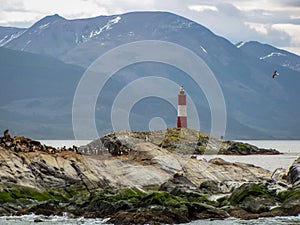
x=288, y=195
x=21, y=193
x=6, y=197
x=162, y=198
x=247, y=190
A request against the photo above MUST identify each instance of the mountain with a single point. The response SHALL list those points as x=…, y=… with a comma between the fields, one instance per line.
x=74, y=40
x=271, y=54
x=36, y=94
x=7, y=34
x=258, y=107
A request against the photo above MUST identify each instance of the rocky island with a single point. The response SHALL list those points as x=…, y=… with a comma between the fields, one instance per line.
x=143, y=177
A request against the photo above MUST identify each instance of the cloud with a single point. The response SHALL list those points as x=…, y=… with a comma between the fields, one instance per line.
x=292, y=30
x=260, y=28
x=289, y=3
x=201, y=8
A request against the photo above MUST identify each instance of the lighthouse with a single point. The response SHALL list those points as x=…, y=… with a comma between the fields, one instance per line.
x=181, y=112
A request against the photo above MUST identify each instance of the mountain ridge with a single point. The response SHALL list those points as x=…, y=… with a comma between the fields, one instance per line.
x=263, y=106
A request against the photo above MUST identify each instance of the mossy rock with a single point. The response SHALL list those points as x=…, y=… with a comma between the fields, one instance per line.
x=290, y=202
x=6, y=197
x=30, y=193
x=183, y=140
x=247, y=190
x=162, y=198
x=288, y=195
x=223, y=201
x=257, y=204
x=200, y=199
x=23, y=194
x=131, y=192
x=132, y=196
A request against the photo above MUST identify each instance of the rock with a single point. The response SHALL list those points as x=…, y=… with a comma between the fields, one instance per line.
x=293, y=176
x=204, y=211
x=254, y=198
x=177, y=185
x=291, y=206
x=290, y=202
x=132, y=177
x=210, y=187
x=257, y=204
x=48, y=208
x=243, y=214
x=219, y=162
x=149, y=217
x=239, y=148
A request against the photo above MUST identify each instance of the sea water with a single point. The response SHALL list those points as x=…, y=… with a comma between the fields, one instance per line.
x=48, y=220
x=65, y=220
x=290, y=150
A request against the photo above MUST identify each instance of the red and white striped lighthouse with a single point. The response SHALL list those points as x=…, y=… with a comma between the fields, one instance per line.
x=181, y=113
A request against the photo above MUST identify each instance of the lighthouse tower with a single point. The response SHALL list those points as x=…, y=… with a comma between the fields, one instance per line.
x=181, y=113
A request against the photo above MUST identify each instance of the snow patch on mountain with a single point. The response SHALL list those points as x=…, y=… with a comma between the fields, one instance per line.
x=203, y=49
x=107, y=26
x=9, y=38
x=44, y=26
x=240, y=44
x=272, y=54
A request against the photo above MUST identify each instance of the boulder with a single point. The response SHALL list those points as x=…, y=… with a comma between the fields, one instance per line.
x=240, y=148
x=158, y=216
x=291, y=206
x=210, y=187
x=293, y=176
x=205, y=211
x=290, y=202
x=253, y=197
x=178, y=185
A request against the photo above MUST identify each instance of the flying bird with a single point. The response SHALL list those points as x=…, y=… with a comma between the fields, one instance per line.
x=275, y=74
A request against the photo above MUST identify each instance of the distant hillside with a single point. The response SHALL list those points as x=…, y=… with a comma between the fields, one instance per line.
x=36, y=93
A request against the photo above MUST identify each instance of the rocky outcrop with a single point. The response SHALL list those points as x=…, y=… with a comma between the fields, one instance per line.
x=294, y=174
x=183, y=141
x=132, y=177
x=239, y=148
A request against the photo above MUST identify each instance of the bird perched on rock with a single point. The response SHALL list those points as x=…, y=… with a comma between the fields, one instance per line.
x=6, y=134
x=275, y=74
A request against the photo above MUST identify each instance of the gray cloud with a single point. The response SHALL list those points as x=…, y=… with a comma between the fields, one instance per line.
x=288, y=3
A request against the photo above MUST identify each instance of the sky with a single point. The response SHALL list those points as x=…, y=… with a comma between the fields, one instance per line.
x=275, y=22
